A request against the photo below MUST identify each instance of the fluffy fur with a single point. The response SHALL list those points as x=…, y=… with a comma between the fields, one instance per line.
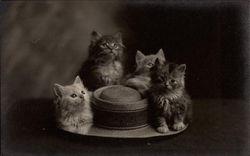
x=140, y=79
x=104, y=65
x=73, y=110
x=171, y=104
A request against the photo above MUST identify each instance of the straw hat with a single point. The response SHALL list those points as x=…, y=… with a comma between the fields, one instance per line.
x=119, y=107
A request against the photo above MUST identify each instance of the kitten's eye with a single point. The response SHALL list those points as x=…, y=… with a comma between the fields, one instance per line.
x=173, y=81
x=82, y=92
x=73, y=95
x=150, y=65
x=161, y=78
x=103, y=45
x=115, y=46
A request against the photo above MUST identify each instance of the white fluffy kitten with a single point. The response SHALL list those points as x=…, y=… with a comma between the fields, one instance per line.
x=73, y=110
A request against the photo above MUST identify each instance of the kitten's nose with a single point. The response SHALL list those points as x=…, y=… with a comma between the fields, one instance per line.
x=81, y=96
x=167, y=85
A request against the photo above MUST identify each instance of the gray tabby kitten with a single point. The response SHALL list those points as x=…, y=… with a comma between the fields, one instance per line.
x=104, y=65
x=171, y=104
x=141, y=79
x=73, y=110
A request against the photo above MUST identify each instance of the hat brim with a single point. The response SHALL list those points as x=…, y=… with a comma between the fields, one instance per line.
x=144, y=132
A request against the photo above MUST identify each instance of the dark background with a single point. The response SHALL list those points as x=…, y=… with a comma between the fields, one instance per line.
x=46, y=42
x=210, y=39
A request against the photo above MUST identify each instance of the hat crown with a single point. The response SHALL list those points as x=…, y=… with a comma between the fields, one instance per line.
x=120, y=94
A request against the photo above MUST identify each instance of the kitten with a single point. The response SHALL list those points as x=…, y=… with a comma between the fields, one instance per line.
x=73, y=110
x=171, y=104
x=104, y=65
x=140, y=79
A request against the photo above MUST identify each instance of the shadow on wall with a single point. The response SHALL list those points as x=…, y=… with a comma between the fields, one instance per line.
x=47, y=42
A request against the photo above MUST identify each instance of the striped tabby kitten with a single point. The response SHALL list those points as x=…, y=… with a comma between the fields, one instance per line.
x=104, y=65
x=73, y=110
x=171, y=104
x=140, y=79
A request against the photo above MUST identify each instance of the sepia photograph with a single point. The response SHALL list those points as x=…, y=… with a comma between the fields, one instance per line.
x=125, y=77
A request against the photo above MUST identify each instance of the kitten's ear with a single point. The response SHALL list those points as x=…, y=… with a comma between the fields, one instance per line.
x=118, y=37
x=78, y=80
x=95, y=36
x=139, y=56
x=161, y=55
x=156, y=66
x=181, y=68
x=157, y=62
x=58, y=90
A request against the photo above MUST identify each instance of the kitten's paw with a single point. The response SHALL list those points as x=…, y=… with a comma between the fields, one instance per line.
x=166, y=101
x=83, y=129
x=70, y=120
x=82, y=122
x=165, y=108
x=75, y=124
x=161, y=104
x=163, y=129
x=179, y=126
x=107, y=80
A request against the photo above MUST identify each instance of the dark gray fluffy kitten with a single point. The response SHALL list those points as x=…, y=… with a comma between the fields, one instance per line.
x=104, y=65
x=170, y=103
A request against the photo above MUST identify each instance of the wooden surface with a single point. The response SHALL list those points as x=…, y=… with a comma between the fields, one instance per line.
x=220, y=127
